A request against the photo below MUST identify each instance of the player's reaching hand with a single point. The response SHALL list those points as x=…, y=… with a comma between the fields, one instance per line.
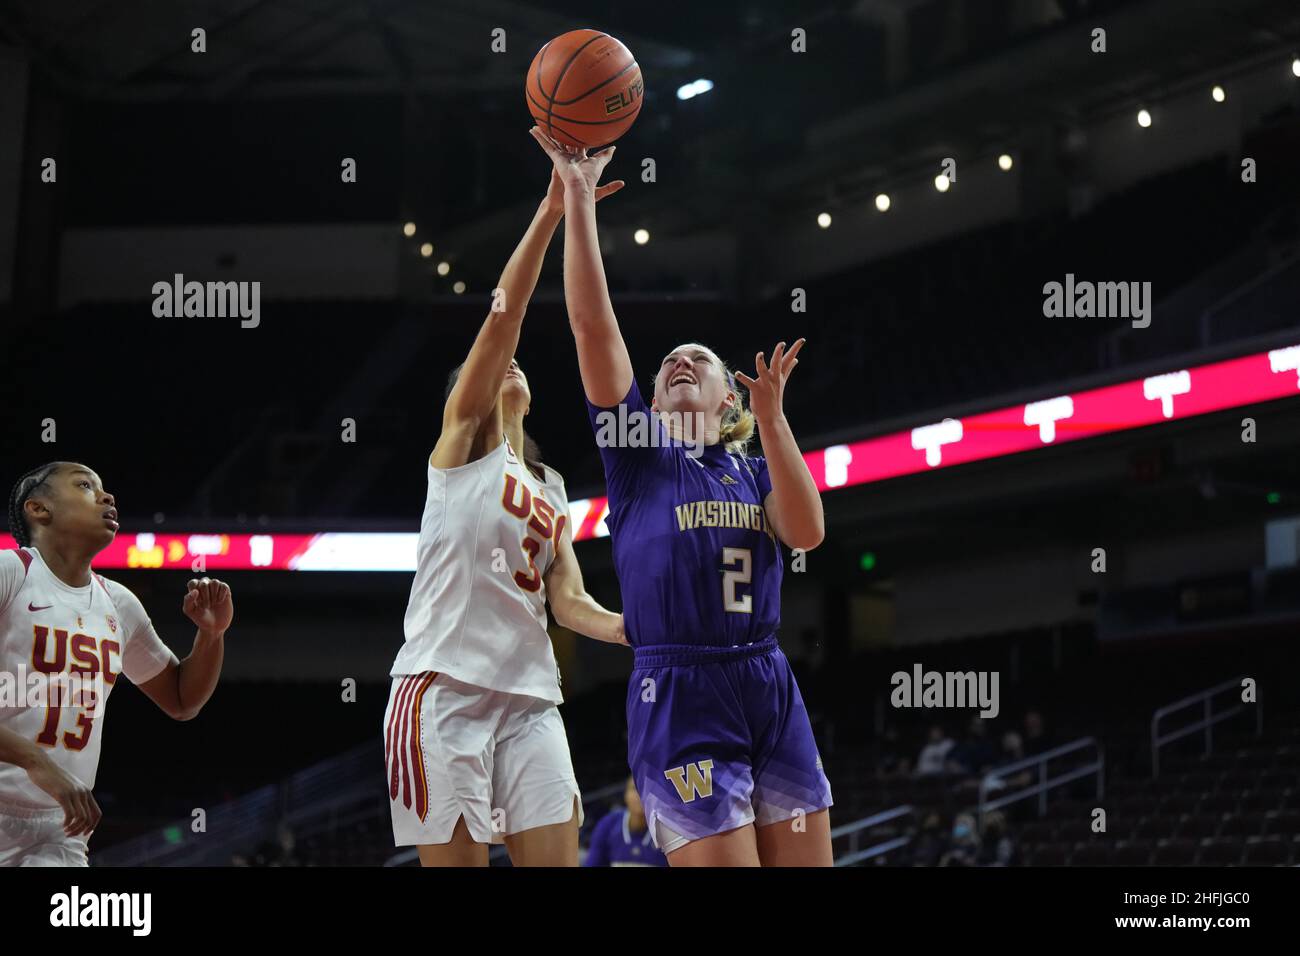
x=575, y=169
x=767, y=392
x=81, y=813
x=208, y=604
x=555, y=192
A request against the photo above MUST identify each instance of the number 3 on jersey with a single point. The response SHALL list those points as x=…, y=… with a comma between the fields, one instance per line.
x=544, y=523
x=740, y=575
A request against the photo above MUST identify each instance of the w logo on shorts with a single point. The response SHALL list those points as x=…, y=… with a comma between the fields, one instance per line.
x=693, y=780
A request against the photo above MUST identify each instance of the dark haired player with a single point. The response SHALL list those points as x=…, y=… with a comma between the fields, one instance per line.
x=78, y=632
x=475, y=746
x=719, y=741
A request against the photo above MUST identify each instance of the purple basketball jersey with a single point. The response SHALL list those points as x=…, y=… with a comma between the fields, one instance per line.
x=718, y=736
x=697, y=561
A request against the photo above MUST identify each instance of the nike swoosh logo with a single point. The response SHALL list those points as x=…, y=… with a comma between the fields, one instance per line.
x=33, y=607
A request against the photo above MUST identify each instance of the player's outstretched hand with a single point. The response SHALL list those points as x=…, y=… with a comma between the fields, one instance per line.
x=767, y=392
x=575, y=169
x=208, y=604
x=81, y=813
x=555, y=192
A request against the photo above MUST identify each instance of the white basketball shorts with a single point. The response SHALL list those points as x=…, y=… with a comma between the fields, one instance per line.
x=30, y=837
x=455, y=750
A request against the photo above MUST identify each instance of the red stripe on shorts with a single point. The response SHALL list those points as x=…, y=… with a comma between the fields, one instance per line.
x=417, y=753
x=396, y=720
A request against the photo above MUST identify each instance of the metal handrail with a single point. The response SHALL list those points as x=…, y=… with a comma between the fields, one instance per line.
x=854, y=829
x=1206, y=723
x=1044, y=784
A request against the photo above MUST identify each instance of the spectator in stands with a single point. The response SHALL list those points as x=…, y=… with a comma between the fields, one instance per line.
x=976, y=753
x=277, y=852
x=934, y=755
x=965, y=846
x=1036, y=737
x=930, y=843
x=621, y=837
x=286, y=845
x=890, y=761
x=996, y=847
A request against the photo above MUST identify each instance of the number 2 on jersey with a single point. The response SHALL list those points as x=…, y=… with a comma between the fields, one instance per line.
x=730, y=578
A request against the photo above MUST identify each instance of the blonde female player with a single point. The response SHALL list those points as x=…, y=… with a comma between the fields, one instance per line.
x=66, y=635
x=476, y=749
x=719, y=742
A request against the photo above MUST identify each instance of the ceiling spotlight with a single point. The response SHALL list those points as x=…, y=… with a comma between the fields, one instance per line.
x=1144, y=118
x=444, y=267
x=689, y=90
x=942, y=182
x=1218, y=94
x=458, y=287
x=882, y=202
x=824, y=219
x=641, y=236
x=1005, y=162
x=408, y=230
x=426, y=250
x=1295, y=66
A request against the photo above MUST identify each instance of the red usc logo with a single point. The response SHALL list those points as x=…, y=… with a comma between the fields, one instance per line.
x=543, y=525
x=88, y=654
x=79, y=654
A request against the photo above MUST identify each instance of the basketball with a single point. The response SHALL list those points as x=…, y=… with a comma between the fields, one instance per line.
x=584, y=89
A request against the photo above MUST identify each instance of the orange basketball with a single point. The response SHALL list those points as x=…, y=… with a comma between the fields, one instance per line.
x=584, y=88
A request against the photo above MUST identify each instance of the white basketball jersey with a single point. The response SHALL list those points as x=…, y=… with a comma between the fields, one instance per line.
x=48, y=628
x=477, y=609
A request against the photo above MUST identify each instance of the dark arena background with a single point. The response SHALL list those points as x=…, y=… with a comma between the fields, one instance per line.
x=1090, y=504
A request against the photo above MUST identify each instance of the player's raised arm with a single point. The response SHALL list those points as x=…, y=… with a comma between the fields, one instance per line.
x=181, y=688
x=602, y=355
x=474, y=395
x=793, y=506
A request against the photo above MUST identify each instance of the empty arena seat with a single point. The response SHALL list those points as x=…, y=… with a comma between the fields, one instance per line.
x=1282, y=823
x=1278, y=779
x=1091, y=854
x=1049, y=854
x=1262, y=800
x=1038, y=832
x=1177, y=852
x=1267, y=852
x=1180, y=803
x=1240, y=826
x=1224, y=801
x=1155, y=826
x=1199, y=826
x=1132, y=853
x=1220, y=853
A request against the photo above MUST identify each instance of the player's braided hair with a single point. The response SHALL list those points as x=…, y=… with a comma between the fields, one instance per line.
x=532, y=452
x=24, y=489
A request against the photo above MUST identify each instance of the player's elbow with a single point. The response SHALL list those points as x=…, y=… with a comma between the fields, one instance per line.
x=184, y=712
x=806, y=539
x=561, y=607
